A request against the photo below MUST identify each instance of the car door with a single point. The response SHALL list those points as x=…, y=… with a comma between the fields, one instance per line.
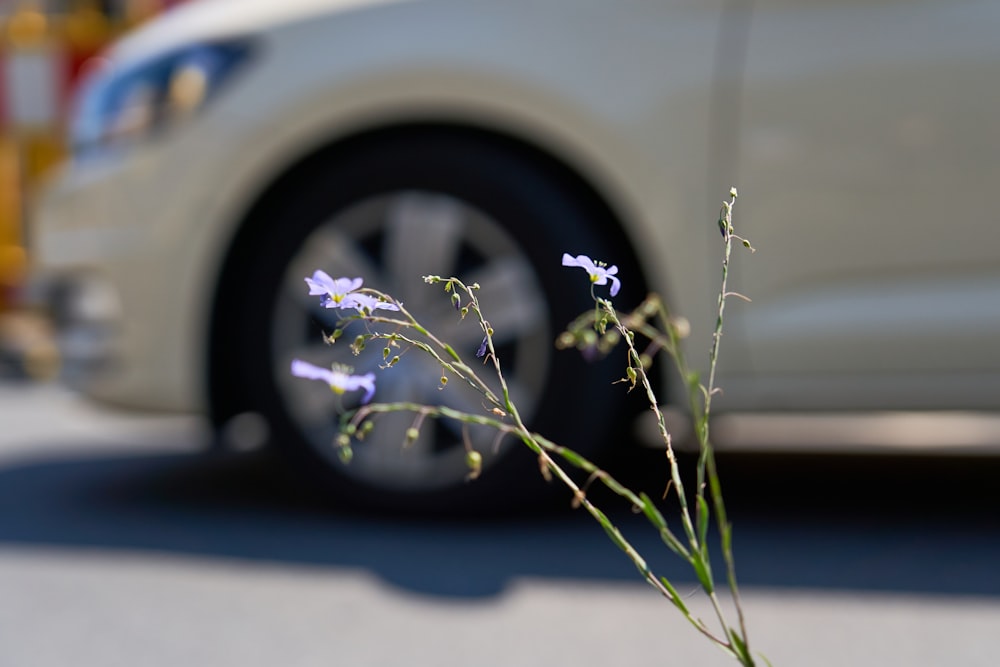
x=869, y=154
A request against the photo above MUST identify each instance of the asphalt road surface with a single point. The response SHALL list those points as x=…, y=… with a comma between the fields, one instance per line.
x=122, y=545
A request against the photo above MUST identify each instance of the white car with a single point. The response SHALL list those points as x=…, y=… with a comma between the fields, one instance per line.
x=229, y=149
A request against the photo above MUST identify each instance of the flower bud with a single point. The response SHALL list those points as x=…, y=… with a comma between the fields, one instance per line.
x=565, y=340
x=473, y=459
x=456, y=300
x=343, y=440
x=681, y=326
x=345, y=454
x=412, y=434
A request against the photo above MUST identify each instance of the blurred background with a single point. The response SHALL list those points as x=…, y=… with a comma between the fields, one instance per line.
x=123, y=542
x=44, y=45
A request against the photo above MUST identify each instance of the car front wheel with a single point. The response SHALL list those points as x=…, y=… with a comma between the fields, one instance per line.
x=391, y=212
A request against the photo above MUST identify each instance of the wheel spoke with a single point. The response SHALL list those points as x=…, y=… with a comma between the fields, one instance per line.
x=511, y=297
x=335, y=252
x=423, y=235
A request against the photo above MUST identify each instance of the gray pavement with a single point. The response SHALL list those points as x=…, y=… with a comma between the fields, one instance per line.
x=120, y=544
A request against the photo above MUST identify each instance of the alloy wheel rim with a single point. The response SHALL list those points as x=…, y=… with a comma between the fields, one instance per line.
x=392, y=241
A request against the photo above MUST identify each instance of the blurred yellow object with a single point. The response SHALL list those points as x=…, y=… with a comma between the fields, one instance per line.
x=13, y=263
x=27, y=27
x=12, y=257
x=22, y=163
x=27, y=339
x=25, y=336
x=40, y=152
x=86, y=28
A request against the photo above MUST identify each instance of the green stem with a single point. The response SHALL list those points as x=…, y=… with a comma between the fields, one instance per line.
x=706, y=458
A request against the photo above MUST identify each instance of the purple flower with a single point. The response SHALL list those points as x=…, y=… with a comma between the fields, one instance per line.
x=600, y=273
x=481, y=352
x=333, y=292
x=369, y=303
x=340, y=380
x=342, y=293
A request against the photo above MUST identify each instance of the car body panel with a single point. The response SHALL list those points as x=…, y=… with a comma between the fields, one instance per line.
x=869, y=144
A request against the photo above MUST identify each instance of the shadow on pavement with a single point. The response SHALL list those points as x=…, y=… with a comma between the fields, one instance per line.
x=925, y=526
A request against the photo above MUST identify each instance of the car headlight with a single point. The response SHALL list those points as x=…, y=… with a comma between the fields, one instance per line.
x=118, y=106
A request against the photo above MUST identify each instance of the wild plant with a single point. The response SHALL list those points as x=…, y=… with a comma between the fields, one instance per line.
x=647, y=331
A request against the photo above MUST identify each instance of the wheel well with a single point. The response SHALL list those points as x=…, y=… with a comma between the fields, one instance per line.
x=225, y=403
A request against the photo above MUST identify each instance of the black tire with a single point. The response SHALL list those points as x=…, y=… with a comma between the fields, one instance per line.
x=515, y=215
